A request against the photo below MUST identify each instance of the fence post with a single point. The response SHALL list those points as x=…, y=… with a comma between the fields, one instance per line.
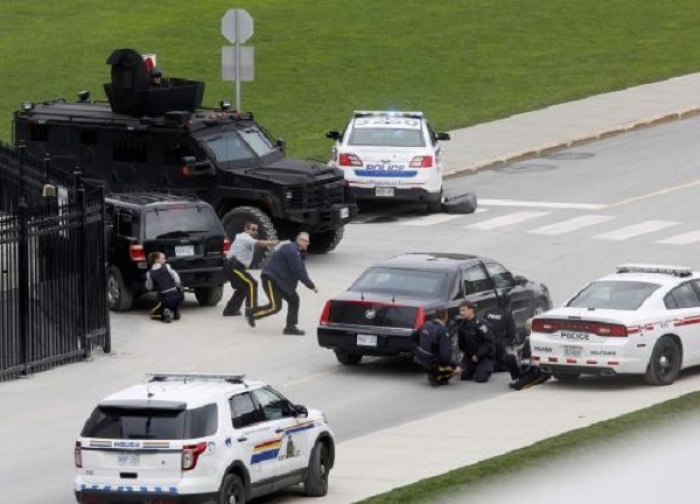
x=82, y=266
x=21, y=148
x=23, y=264
x=107, y=347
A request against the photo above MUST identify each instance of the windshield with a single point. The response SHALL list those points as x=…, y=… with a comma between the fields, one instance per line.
x=613, y=295
x=181, y=220
x=238, y=144
x=386, y=137
x=420, y=284
x=124, y=423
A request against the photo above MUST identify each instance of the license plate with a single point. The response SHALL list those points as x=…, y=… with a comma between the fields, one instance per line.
x=366, y=340
x=344, y=213
x=184, y=250
x=572, y=351
x=128, y=460
x=386, y=192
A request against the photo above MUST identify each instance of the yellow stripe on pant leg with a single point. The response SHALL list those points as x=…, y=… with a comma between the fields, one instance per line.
x=153, y=313
x=251, y=286
x=273, y=302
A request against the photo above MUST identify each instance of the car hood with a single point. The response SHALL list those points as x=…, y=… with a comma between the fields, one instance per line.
x=295, y=171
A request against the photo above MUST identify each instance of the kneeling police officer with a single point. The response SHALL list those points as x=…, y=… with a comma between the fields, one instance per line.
x=166, y=282
x=476, y=341
x=434, y=351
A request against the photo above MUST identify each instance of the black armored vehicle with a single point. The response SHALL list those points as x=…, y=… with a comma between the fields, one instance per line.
x=150, y=138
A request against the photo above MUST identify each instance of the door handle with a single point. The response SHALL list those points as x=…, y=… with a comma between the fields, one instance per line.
x=241, y=439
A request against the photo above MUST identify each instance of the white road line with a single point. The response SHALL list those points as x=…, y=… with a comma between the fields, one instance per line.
x=572, y=224
x=430, y=220
x=505, y=220
x=682, y=239
x=636, y=230
x=540, y=204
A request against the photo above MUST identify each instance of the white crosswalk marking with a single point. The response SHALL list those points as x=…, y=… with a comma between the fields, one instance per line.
x=505, y=220
x=430, y=220
x=636, y=230
x=571, y=224
x=540, y=204
x=682, y=239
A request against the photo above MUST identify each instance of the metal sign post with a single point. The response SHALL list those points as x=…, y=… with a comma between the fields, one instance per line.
x=237, y=27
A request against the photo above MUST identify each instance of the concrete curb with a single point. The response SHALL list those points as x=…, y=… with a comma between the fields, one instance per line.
x=546, y=149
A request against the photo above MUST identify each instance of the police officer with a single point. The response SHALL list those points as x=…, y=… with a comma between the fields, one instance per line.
x=505, y=334
x=280, y=277
x=476, y=341
x=434, y=351
x=529, y=374
x=238, y=259
x=166, y=282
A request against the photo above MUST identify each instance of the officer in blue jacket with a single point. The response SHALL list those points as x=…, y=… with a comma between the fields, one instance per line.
x=434, y=350
x=280, y=276
x=166, y=282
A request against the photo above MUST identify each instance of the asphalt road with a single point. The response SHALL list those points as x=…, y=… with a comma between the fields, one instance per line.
x=563, y=219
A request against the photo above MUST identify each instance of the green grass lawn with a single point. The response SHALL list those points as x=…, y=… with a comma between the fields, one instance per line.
x=493, y=471
x=460, y=61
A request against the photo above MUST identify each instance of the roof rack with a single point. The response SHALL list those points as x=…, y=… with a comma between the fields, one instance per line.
x=679, y=271
x=227, y=377
x=388, y=113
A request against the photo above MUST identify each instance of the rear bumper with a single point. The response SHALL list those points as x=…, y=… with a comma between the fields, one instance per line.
x=113, y=497
x=590, y=370
x=412, y=194
x=345, y=340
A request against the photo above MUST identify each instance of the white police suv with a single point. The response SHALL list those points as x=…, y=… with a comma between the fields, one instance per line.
x=391, y=155
x=195, y=438
x=644, y=319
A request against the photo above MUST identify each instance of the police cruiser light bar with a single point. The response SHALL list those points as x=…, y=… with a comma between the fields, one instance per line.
x=232, y=378
x=388, y=113
x=680, y=271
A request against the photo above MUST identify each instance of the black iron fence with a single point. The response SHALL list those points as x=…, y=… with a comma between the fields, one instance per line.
x=53, y=305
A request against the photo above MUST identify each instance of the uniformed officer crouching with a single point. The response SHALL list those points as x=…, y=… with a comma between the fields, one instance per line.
x=166, y=282
x=530, y=373
x=434, y=351
x=476, y=341
x=500, y=319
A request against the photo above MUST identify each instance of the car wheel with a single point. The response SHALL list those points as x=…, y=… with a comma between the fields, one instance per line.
x=235, y=220
x=665, y=362
x=119, y=296
x=209, y=296
x=316, y=483
x=232, y=490
x=322, y=243
x=348, y=358
x=565, y=377
x=435, y=205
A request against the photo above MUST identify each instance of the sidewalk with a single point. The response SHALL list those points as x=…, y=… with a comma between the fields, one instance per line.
x=381, y=461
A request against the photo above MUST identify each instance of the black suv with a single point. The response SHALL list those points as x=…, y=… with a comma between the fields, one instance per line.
x=186, y=230
x=149, y=138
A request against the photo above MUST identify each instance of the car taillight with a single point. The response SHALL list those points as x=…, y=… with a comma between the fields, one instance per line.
x=78, y=455
x=190, y=455
x=349, y=160
x=598, y=328
x=325, y=314
x=420, y=318
x=227, y=245
x=422, y=162
x=137, y=253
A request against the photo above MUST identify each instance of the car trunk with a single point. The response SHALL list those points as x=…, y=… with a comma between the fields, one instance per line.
x=375, y=314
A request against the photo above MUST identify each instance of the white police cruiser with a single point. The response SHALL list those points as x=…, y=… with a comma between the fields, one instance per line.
x=194, y=438
x=644, y=319
x=391, y=155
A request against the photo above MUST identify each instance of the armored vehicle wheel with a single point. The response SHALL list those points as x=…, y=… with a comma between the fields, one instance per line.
x=209, y=296
x=119, y=296
x=665, y=362
x=235, y=220
x=322, y=243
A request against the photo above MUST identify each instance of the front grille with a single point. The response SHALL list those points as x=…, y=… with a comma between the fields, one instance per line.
x=315, y=196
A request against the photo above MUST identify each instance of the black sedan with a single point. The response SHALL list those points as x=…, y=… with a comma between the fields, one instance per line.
x=381, y=312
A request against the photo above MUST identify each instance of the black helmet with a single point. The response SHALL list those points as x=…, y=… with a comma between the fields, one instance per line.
x=155, y=72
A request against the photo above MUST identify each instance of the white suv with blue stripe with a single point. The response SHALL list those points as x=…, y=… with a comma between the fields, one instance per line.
x=195, y=438
x=391, y=156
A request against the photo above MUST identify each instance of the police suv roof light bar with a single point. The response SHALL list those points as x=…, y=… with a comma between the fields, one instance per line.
x=680, y=271
x=387, y=113
x=229, y=377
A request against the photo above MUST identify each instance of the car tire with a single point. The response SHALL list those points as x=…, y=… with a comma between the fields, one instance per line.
x=348, y=358
x=435, y=205
x=235, y=220
x=209, y=296
x=119, y=295
x=316, y=483
x=565, y=377
x=665, y=362
x=322, y=243
x=232, y=490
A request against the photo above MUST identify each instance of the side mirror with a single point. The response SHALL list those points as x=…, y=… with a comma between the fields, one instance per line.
x=520, y=280
x=282, y=144
x=333, y=135
x=300, y=411
x=442, y=136
x=190, y=167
